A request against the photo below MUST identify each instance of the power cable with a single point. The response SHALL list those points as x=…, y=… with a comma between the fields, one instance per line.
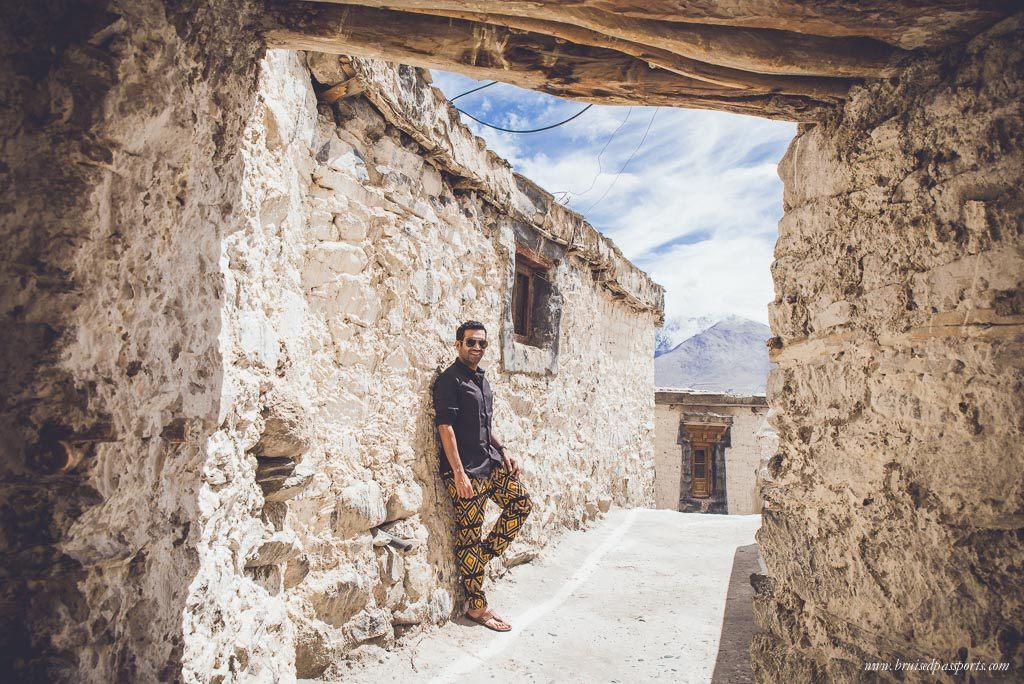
x=470, y=92
x=532, y=130
x=633, y=154
x=600, y=169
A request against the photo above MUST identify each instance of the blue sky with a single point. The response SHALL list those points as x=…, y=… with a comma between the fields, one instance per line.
x=696, y=206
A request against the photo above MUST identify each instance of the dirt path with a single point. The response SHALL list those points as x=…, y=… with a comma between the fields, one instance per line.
x=640, y=597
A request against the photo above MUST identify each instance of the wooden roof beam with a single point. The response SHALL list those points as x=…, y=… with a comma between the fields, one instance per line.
x=539, y=62
x=908, y=24
x=760, y=50
x=835, y=88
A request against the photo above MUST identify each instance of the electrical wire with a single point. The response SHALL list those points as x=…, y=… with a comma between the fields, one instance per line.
x=633, y=154
x=470, y=92
x=567, y=193
x=532, y=130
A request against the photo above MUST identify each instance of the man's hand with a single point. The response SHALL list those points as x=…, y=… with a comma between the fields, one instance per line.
x=463, y=486
x=510, y=462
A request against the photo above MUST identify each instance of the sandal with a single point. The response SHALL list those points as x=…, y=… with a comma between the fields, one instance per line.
x=491, y=621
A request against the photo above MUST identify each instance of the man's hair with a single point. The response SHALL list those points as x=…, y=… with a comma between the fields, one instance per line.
x=468, y=325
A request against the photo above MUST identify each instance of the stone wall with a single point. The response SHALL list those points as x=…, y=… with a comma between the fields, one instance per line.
x=343, y=295
x=120, y=175
x=896, y=506
x=224, y=308
x=748, y=438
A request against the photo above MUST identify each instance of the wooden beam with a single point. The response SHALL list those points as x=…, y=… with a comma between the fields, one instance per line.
x=761, y=50
x=908, y=24
x=539, y=62
x=340, y=91
x=826, y=88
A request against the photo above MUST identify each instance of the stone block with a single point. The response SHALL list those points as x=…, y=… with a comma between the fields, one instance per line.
x=405, y=501
x=372, y=623
x=295, y=571
x=440, y=608
x=419, y=578
x=327, y=260
x=280, y=548
x=257, y=338
x=340, y=596
x=350, y=230
x=359, y=507
x=412, y=614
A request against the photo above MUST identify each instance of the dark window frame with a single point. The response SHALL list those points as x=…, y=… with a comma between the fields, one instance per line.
x=529, y=267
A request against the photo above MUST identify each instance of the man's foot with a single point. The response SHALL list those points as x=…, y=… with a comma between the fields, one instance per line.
x=488, y=619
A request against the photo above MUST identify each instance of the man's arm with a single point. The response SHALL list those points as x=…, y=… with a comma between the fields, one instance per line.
x=446, y=410
x=451, y=451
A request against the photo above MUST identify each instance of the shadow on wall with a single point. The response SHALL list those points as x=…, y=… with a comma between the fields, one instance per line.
x=111, y=376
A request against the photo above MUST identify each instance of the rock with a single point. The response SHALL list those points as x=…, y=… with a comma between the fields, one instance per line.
x=279, y=489
x=418, y=577
x=327, y=260
x=342, y=595
x=326, y=68
x=395, y=565
x=280, y=548
x=412, y=614
x=440, y=606
x=286, y=431
x=372, y=623
x=313, y=648
x=359, y=507
x=519, y=558
x=604, y=504
x=296, y=571
x=405, y=501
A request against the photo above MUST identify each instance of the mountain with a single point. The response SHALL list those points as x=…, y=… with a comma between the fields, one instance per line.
x=730, y=356
x=677, y=330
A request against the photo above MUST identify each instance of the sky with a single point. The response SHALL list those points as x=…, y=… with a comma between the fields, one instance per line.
x=691, y=197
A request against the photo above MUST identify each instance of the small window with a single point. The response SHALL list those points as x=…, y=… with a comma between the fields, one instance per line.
x=531, y=316
x=700, y=475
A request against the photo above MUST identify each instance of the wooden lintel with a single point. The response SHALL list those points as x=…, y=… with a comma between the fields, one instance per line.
x=340, y=91
x=538, y=61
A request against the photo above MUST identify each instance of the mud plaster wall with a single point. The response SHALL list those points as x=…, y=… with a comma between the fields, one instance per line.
x=216, y=302
x=750, y=437
x=344, y=292
x=896, y=500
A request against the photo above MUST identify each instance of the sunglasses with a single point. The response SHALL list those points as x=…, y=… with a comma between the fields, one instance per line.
x=471, y=342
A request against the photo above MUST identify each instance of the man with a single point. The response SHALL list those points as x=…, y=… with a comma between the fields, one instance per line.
x=475, y=467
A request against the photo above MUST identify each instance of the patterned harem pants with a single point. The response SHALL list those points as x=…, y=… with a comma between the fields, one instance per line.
x=472, y=554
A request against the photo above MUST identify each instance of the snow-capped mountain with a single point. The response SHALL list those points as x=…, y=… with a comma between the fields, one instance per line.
x=729, y=356
x=677, y=330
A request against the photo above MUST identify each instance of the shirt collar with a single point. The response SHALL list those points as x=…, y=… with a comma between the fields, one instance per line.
x=467, y=369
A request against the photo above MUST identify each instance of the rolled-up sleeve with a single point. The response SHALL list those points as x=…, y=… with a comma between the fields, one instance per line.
x=446, y=400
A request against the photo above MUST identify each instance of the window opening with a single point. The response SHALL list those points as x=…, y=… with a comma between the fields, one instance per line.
x=530, y=292
x=701, y=477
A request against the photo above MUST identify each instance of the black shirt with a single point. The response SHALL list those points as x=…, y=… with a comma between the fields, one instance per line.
x=462, y=399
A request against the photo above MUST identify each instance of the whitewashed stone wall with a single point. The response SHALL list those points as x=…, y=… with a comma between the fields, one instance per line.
x=895, y=510
x=749, y=438
x=224, y=311
x=120, y=176
x=343, y=293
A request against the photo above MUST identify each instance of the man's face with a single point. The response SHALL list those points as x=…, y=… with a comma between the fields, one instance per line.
x=470, y=351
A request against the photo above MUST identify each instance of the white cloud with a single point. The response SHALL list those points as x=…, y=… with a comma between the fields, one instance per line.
x=716, y=278
x=704, y=178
